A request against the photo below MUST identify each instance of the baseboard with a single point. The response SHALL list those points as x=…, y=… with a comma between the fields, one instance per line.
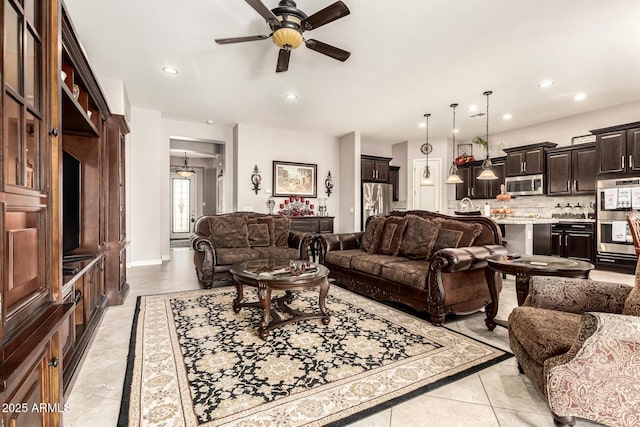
x=146, y=262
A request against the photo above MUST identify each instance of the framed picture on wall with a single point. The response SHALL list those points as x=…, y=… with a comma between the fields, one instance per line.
x=294, y=179
x=465, y=149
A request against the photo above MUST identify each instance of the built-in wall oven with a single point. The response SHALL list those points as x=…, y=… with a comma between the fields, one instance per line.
x=615, y=199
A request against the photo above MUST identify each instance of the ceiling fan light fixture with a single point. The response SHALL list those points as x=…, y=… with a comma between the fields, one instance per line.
x=287, y=37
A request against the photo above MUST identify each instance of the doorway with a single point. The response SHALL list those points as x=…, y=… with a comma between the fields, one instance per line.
x=427, y=197
x=183, y=205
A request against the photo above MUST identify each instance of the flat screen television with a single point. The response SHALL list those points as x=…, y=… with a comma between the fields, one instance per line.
x=71, y=212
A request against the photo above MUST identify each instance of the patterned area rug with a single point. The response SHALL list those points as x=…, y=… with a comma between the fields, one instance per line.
x=194, y=362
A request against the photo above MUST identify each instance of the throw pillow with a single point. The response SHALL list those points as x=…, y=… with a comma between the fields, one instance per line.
x=391, y=236
x=262, y=220
x=281, y=227
x=632, y=303
x=258, y=235
x=419, y=237
x=367, y=243
x=229, y=231
x=456, y=234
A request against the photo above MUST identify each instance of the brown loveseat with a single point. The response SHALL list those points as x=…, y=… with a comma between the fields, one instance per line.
x=431, y=262
x=220, y=241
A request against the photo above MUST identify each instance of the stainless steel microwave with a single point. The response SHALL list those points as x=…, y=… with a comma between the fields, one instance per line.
x=524, y=185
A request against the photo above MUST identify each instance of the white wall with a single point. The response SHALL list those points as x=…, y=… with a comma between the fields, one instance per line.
x=399, y=154
x=350, y=196
x=259, y=145
x=376, y=149
x=146, y=198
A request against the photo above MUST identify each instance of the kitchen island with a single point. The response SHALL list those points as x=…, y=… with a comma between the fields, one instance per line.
x=540, y=236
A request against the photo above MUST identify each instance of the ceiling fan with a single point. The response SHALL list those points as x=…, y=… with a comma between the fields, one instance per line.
x=287, y=23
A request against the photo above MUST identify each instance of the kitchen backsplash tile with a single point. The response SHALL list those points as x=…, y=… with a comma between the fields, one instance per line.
x=539, y=206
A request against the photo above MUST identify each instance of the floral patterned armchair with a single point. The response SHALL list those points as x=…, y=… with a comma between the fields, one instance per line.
x=578, y=341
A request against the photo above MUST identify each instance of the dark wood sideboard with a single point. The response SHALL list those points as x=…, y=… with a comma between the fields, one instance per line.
x=312, y=224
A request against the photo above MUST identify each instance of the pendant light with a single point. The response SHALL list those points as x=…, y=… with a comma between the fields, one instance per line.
x=426, y=149
x=185, y=171
x=487, y=171
x=453, y=177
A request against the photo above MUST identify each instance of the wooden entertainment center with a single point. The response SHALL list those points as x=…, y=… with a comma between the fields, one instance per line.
x=62, y=209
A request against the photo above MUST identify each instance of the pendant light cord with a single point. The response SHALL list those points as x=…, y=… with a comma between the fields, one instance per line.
x=487, y=93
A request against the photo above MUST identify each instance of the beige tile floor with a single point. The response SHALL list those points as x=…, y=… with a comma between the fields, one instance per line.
x=496, y=396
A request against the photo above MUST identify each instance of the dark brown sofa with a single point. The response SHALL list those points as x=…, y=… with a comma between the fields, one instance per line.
x=431, y=262
x=219, y=241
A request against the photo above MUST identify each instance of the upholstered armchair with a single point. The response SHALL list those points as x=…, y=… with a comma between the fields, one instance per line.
x=578, y=341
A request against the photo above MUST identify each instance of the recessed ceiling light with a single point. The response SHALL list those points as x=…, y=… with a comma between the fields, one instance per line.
x=507, y=116
x=456, y=130
x=580, y=96
x=472, y=108
x=291, y=96
x=546, y=83
x=170, y=70
x=209, y=122
x=422, y=125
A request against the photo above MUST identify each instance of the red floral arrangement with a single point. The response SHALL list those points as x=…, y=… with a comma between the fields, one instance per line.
x=465, y=158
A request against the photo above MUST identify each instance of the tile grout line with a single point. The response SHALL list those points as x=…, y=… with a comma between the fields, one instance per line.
x=489, y=399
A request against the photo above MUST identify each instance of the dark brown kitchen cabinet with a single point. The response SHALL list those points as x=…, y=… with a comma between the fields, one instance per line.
x=394, y=180
x=573, y=240
x=526, y=160
x=464, y=189
x=618, y=149
x=571, y=170
x=374, y=168
x=475, y=188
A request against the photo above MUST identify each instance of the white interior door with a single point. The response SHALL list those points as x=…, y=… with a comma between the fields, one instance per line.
x=427, y=198
x=183, y=206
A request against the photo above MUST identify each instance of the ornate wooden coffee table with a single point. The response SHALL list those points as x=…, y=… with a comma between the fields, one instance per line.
x=523, y=268
x=269, y=275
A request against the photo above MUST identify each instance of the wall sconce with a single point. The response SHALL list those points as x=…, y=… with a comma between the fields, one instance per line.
x=256, y=179
x=328, y=184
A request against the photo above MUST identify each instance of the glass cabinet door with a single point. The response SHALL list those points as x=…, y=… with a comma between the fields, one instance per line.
x=23, y=89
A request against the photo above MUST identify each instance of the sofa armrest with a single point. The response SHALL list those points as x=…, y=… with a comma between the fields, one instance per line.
x=204, y=257
x=338, y=242
x=300, y=241
x=603, y=361
x=451, y=260
x=201, y=243
x=576, y=295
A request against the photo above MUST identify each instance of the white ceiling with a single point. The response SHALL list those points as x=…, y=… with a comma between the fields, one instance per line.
x=409, y=57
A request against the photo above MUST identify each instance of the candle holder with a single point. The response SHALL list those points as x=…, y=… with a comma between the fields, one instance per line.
x=270, y=205
x=322, y=207
x=296, y=206
x=256, y=179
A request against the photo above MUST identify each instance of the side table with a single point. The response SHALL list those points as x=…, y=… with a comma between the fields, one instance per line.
x=523, y=268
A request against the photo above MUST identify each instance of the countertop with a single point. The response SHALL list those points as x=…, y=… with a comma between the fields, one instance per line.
x=524, y=221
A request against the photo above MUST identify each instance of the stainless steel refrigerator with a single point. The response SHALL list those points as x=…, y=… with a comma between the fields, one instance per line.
x=376, y=200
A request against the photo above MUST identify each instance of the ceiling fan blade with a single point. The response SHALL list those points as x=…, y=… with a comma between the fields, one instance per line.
x=283, y=60
x=241, y=39
x=329, y=14
x=327, y=49
x=264, y=11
